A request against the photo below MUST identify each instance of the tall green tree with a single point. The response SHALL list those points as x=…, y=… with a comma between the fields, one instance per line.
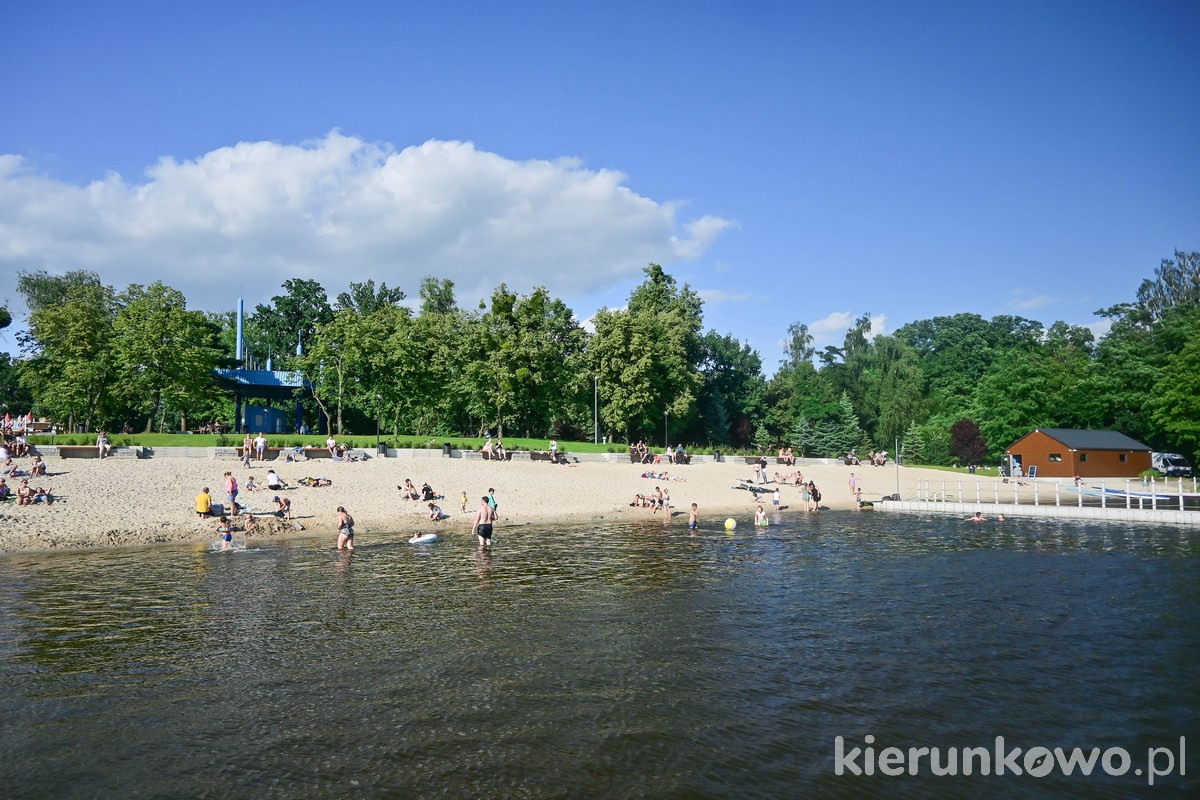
x=1176, y=282
x=732, y=377
x=166, y=354
x=73, y=363
x=648, y=358
x=365, y=299
x=290, y=322
x=1176, y=404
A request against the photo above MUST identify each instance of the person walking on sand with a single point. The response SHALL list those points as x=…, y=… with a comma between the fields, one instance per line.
x=345, y=529
x=853, y=484
x=484, y=519
x=463, y=501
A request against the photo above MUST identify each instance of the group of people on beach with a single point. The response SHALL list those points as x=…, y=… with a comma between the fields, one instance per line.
x=26, y=495
x=14, y=445
x=670, y=455
x=255, y=446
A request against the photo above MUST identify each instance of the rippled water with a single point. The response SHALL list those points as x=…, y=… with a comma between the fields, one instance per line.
x=613, y=661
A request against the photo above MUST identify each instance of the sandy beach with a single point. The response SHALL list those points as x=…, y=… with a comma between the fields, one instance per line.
x=138, y=501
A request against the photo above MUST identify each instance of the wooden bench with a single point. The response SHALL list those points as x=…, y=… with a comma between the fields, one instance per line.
x=91, y=451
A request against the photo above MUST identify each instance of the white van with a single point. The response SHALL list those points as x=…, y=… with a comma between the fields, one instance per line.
x=1173, y=465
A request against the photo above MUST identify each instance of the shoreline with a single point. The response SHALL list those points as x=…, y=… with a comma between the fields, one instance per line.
x=123, y=502
x=133, y=502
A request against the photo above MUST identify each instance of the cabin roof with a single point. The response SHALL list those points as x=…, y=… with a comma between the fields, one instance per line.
x=1081, y=439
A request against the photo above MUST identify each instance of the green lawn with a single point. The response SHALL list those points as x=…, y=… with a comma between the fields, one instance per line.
x=989, y=472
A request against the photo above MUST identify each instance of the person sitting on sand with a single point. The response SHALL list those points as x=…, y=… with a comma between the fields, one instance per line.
x=24, y=494
x=9, y=469
x=435, y=513
x=41, y=495
x=203, y=503
x=5, y=492
x=250, y=485
x=409, y=491
x=427, y=492
x=283, y=506
x=274, y=481
x=38, y=467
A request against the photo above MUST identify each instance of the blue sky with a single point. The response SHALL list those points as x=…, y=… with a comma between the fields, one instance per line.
x=791, y=161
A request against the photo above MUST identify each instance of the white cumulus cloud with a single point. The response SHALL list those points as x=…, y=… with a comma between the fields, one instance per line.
x=340, y=209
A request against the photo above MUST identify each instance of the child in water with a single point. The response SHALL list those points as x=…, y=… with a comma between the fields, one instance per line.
x=226, y=531
x=694, y=518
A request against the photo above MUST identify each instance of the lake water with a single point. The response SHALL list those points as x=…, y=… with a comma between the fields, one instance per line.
x=613, y=661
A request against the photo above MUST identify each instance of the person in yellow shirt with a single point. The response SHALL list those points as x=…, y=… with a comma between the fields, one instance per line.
x=203, y=503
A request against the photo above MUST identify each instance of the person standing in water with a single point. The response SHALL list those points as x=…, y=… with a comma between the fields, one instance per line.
x=345, y=528
x=484, y=520
x=694, y=518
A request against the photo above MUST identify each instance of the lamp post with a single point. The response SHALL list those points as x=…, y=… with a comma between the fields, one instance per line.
x=595, y=409
x=378, y=398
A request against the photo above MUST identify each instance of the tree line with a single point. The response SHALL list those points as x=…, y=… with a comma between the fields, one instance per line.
x=949, y=389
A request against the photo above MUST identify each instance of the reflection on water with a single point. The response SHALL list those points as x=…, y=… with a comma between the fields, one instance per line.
x=613, y=661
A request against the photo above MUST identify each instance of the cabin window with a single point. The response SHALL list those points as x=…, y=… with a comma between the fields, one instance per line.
x=1056, y=458
x=1122, y=457
x=1083, y=457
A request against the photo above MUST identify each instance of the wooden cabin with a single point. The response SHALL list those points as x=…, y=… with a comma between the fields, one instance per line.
x=1067, y=452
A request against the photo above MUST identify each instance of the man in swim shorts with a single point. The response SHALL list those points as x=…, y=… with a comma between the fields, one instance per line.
x=483, y=523
x=345, y=529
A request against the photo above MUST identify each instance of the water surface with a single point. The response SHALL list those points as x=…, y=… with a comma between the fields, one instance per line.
x=608, y=661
